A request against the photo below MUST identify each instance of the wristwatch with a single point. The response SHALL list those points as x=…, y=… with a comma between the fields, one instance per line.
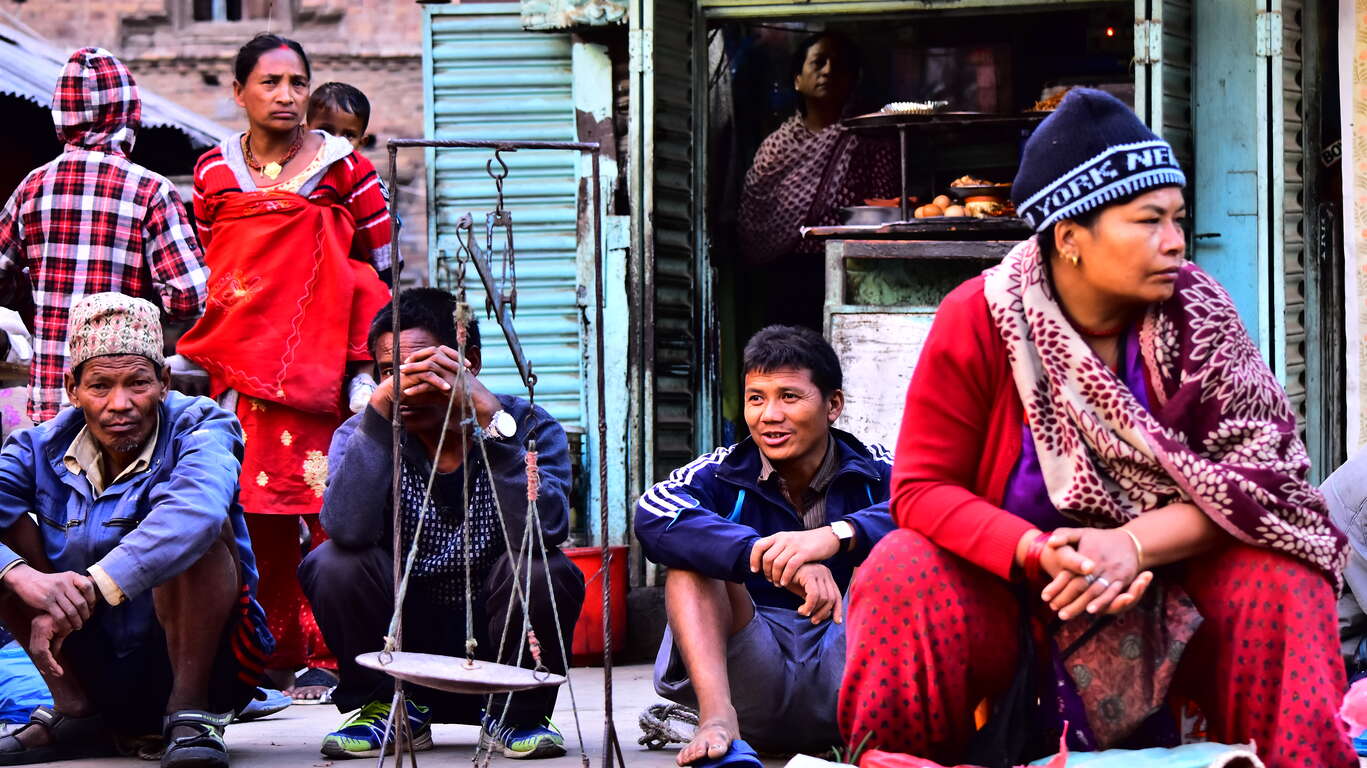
x=502, y=425
x=845, y=532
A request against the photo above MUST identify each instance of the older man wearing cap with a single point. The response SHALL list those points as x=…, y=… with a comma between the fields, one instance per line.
x=134, y=590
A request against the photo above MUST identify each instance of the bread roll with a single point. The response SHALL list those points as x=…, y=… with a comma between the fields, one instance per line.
x=985, y=208
x=956, y=210
x=942, y=202
x=929, y=211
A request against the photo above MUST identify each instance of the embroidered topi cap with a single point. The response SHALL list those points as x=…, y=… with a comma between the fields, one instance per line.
x=1092, y=150
x=114, y=324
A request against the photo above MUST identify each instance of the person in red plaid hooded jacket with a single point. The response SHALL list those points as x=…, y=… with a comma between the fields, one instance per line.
x=93, y=221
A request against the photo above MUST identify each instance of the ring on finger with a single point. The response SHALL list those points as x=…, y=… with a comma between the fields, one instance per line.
x=1090, y=579
x=1103, y=581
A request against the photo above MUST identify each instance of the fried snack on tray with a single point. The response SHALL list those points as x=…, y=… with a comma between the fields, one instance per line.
x=1050, y=103
x=969, y=181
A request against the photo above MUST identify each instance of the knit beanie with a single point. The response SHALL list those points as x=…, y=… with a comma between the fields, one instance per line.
x=1092, y=150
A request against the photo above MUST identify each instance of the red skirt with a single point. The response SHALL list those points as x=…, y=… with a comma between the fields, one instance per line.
x=927, y=641
x=284, y=471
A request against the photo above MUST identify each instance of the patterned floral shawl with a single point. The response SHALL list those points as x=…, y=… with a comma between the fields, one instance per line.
x=803, y=179
x=1221, y=435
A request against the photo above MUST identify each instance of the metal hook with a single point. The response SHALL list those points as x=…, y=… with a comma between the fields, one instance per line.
x=464, y=251
x=497, y=176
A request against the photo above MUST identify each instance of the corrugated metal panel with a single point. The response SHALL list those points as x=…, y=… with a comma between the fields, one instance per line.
x=487, y=78
x=1293, y=203
x=674, y=334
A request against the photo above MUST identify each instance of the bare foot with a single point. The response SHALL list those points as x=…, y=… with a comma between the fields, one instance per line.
x=311, y=686
x=308, y=692
x=712, y=738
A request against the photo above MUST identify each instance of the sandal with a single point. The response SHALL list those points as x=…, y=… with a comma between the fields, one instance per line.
x=205, y=749
x=72, y=738
x=314, y=677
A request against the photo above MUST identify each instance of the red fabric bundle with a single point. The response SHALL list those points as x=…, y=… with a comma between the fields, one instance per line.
x=287, y=308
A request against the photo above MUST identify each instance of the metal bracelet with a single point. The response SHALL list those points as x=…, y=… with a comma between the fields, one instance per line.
x=1138, y=548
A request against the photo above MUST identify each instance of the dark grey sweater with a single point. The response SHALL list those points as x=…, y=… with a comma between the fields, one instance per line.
x=356, y=505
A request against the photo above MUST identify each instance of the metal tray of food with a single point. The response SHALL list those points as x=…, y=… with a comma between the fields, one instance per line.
x=930, y=228
x=940, y=120
x=999, y=191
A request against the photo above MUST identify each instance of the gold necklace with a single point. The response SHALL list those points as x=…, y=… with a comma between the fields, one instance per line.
x=271, y=170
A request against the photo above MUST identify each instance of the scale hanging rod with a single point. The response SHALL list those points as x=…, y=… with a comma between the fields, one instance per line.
x=503, y=313
x=582, y=146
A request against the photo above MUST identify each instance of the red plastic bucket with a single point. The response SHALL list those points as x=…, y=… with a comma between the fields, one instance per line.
x=587, y=648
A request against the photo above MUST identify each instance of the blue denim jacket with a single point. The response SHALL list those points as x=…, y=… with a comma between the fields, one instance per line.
x=143, y=529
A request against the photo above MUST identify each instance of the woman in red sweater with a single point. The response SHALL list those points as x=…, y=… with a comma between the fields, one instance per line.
x=1093, y=444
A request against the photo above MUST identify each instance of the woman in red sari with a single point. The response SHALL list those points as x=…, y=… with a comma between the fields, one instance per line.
x=297, y=238
x=1095, y=461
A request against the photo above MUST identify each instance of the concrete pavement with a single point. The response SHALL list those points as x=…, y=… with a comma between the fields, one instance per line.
x=290, y=739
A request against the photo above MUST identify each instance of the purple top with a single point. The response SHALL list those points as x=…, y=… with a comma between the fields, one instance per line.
x=1026, y=495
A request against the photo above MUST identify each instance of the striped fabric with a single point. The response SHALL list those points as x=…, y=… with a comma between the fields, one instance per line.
x=668, y=498
x=251, y=641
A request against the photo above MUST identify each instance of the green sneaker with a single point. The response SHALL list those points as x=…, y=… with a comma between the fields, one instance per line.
x=522, y=743
x=362, y=734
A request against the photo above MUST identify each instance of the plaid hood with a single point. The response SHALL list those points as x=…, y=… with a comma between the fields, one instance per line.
x=96, y=104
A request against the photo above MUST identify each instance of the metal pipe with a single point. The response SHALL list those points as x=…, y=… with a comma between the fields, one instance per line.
x=582, y=146
x=902, y=146
x=400, y=708
x=609, y=730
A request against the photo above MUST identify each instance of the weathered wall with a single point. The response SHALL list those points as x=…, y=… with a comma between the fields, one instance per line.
x=375, y=45
x=1353, y=95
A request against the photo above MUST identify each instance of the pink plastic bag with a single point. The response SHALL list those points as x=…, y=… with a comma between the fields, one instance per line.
x=1354, y=710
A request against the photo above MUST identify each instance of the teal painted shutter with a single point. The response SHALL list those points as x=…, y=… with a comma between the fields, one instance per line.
x=664, y=221
x=487, y=78
x=1233, y=149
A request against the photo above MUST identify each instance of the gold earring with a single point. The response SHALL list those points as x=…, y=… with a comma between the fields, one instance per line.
x=1074, y=258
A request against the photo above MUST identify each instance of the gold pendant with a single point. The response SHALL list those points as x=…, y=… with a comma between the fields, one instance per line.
x=271, y=170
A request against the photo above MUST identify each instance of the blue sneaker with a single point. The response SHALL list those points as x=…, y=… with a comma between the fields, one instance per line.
x=267, y=702
x=521, y=743
x=362, y=734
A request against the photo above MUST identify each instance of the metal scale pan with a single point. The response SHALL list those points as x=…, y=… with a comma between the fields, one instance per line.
x=454, y=674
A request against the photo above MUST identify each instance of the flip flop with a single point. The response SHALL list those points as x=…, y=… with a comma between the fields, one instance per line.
x=316, y=677
x=265, y=703
x=738, y=755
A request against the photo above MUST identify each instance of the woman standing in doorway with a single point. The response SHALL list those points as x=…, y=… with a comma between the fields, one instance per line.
x=297, y=237
x=803, y=174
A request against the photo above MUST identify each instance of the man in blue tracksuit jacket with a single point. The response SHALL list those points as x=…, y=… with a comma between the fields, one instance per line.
x=761, y=540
